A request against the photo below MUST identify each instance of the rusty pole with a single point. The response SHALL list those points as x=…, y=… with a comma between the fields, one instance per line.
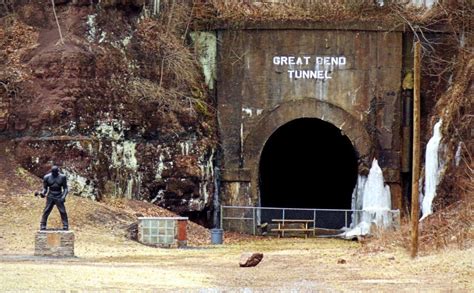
x=415, y=204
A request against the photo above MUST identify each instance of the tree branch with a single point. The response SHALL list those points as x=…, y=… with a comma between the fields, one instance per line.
x=57, y=22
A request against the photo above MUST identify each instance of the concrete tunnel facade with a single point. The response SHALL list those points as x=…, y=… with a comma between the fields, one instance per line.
x=344, y=78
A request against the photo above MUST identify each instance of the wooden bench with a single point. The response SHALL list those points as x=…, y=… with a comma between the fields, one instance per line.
x=288, y=225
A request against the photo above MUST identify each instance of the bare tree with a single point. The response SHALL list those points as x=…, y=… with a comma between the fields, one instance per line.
x=57, y=22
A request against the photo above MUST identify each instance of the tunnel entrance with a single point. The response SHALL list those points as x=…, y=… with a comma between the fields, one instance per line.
x=308, y=163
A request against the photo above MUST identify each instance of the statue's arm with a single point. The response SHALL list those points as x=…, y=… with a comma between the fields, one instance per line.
x=45, y=186
x=65, y=189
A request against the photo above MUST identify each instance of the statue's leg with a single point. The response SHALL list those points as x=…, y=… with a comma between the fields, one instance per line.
x=62, y=212
x=47, y=210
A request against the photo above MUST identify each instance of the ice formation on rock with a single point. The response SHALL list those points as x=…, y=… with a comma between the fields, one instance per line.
x=433, y=167
x=371, y=196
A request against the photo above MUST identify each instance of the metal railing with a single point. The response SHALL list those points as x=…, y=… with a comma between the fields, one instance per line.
x=248, y=219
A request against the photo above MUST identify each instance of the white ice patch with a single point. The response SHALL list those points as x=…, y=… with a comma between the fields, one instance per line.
x=433, y=167
x=159, y=196
x=376, y=195
x=126, y=41
x=371, y=197
x=457, y=156
x=241, y=141
x=125, y=164
x=246, y=111
x=79, y=185
x=357, y=194
x=425, y=3
x=249, y=112
x=123, y=155
x=185, y=147
x=103, y=35
x=363, y=228
x=91, y=27
x=462, y=39
x=160, y=167
x=206, y=166
x=112, y=129
x=206, y=46
x=75, y=144
x=71, y=127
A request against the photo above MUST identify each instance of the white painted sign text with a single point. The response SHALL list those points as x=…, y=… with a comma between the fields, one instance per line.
x=323, y=66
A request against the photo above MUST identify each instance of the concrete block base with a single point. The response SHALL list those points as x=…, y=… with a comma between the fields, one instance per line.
x=56, y=243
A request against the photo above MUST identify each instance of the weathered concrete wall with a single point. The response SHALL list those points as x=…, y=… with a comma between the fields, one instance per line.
x=256, y=96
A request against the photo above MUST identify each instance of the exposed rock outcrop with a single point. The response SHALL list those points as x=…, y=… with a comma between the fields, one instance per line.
x=121, y=105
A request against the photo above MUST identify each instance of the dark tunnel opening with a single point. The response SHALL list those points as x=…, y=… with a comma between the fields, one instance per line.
x=308, y=163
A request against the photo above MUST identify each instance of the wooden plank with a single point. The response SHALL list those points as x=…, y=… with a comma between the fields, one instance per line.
x=281, y=231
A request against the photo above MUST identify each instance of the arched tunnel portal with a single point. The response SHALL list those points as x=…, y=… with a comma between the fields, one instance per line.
x=308, y=163
x=305, y=154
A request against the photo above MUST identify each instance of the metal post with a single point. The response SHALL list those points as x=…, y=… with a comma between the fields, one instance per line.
x=314, y=218
x=345, y=221
x=314, y=222
x=283, y=224
x=221, y=218
x=253, y=217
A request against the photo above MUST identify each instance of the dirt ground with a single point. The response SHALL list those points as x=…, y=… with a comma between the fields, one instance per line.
x=107, y=260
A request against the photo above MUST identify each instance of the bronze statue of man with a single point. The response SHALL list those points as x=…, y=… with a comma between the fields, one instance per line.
x=55, y=189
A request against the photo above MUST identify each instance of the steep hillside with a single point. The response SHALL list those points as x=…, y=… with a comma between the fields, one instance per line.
x=119, y=101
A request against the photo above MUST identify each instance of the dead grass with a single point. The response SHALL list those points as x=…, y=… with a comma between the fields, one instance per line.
x=236, y=12
x=107, y=221
x=168, y=69
x=288, y=264
x=449, y=228
x=16, y=38
x=107, y=260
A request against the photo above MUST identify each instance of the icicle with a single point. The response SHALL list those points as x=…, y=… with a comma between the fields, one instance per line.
x=425, y=3
x=376, y=198
x=156, y=7
x=432, y=170
x=373, y=197
x=457, y=156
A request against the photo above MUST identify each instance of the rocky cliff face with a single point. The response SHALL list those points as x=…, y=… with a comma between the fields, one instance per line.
x=120, y=103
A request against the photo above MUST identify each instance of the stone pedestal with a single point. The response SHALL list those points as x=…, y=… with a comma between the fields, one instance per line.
x=55, y=243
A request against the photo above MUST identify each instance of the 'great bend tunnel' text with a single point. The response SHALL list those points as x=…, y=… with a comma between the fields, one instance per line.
x=323, y=66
